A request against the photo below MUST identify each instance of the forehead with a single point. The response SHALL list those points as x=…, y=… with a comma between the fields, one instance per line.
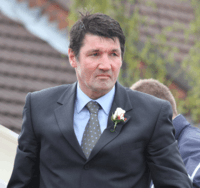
x=95, y=42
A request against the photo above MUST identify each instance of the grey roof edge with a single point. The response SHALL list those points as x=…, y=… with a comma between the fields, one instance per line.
x=37, y=24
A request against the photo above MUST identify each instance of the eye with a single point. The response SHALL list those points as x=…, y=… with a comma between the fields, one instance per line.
x=114, y=54
x=95, y=54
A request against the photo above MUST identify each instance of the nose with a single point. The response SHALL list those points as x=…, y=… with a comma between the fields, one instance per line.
x=105, y=63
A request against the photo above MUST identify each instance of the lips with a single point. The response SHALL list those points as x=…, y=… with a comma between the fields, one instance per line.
x=103, y=75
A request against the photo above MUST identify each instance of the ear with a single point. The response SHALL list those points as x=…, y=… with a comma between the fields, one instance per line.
x=72, y=58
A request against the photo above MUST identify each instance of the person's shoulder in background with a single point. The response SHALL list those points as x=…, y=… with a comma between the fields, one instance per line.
x=8, y=146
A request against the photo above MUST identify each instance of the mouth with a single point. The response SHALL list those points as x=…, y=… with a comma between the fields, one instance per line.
x=103, y=76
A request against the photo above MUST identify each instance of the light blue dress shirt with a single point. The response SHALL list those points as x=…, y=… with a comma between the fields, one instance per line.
x=82, y=114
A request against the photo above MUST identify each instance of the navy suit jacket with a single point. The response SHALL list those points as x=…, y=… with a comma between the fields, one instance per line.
x=142, y=145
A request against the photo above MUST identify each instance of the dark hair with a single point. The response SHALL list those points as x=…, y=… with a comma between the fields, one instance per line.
x=157, y=89
x=96, y=24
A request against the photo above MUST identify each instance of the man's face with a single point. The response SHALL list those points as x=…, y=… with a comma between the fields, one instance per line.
x=98, y=66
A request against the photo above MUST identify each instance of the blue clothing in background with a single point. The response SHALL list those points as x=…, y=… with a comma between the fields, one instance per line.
x=188, y=138
x=189, y=147
x=82, y=114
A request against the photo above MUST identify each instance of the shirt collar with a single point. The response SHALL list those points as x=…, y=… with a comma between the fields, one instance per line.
x=176, y=117
x=105, y=101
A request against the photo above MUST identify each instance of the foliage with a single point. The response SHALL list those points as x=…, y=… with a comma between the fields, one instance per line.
x=149, y=59
x=191, y=64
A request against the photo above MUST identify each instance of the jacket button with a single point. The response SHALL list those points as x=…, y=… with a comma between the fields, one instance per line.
x=87, y=167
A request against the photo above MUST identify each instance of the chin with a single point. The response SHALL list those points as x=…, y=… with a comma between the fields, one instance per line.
x=103, y=89
x=103, y=86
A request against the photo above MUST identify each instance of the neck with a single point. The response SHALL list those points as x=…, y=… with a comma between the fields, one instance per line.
x=96, y=94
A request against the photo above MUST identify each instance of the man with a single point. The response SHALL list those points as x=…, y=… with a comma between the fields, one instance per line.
x=188, y=137
x=69, y=137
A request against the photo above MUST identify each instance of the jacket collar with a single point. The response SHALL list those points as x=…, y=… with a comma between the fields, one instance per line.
x=64, y=115
x=69, y=93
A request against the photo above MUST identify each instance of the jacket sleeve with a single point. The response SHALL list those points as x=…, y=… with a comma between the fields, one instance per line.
x=26, y=163
x=163, y=158
x=190, y=151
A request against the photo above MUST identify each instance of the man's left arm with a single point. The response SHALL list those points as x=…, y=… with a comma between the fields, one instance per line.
x=163, y=158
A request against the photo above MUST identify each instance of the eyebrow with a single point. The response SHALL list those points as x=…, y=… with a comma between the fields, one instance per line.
x=115, y=50
x=97, y=50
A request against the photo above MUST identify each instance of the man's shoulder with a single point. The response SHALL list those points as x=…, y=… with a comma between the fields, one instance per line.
x=145, y=104
x=50, y=90
x=52, y=93
x=144, y=98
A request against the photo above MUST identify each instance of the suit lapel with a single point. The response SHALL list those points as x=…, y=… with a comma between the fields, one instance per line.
x=121, y=100
x=65, y=114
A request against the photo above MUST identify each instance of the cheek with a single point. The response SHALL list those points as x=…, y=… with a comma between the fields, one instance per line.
x=90, y=67
x=117, y=66
x=87, y=71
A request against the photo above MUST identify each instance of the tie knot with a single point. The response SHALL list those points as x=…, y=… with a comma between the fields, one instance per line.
x=93, y=107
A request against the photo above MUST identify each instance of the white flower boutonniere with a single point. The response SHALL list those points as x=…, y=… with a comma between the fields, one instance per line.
x=117, y=117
